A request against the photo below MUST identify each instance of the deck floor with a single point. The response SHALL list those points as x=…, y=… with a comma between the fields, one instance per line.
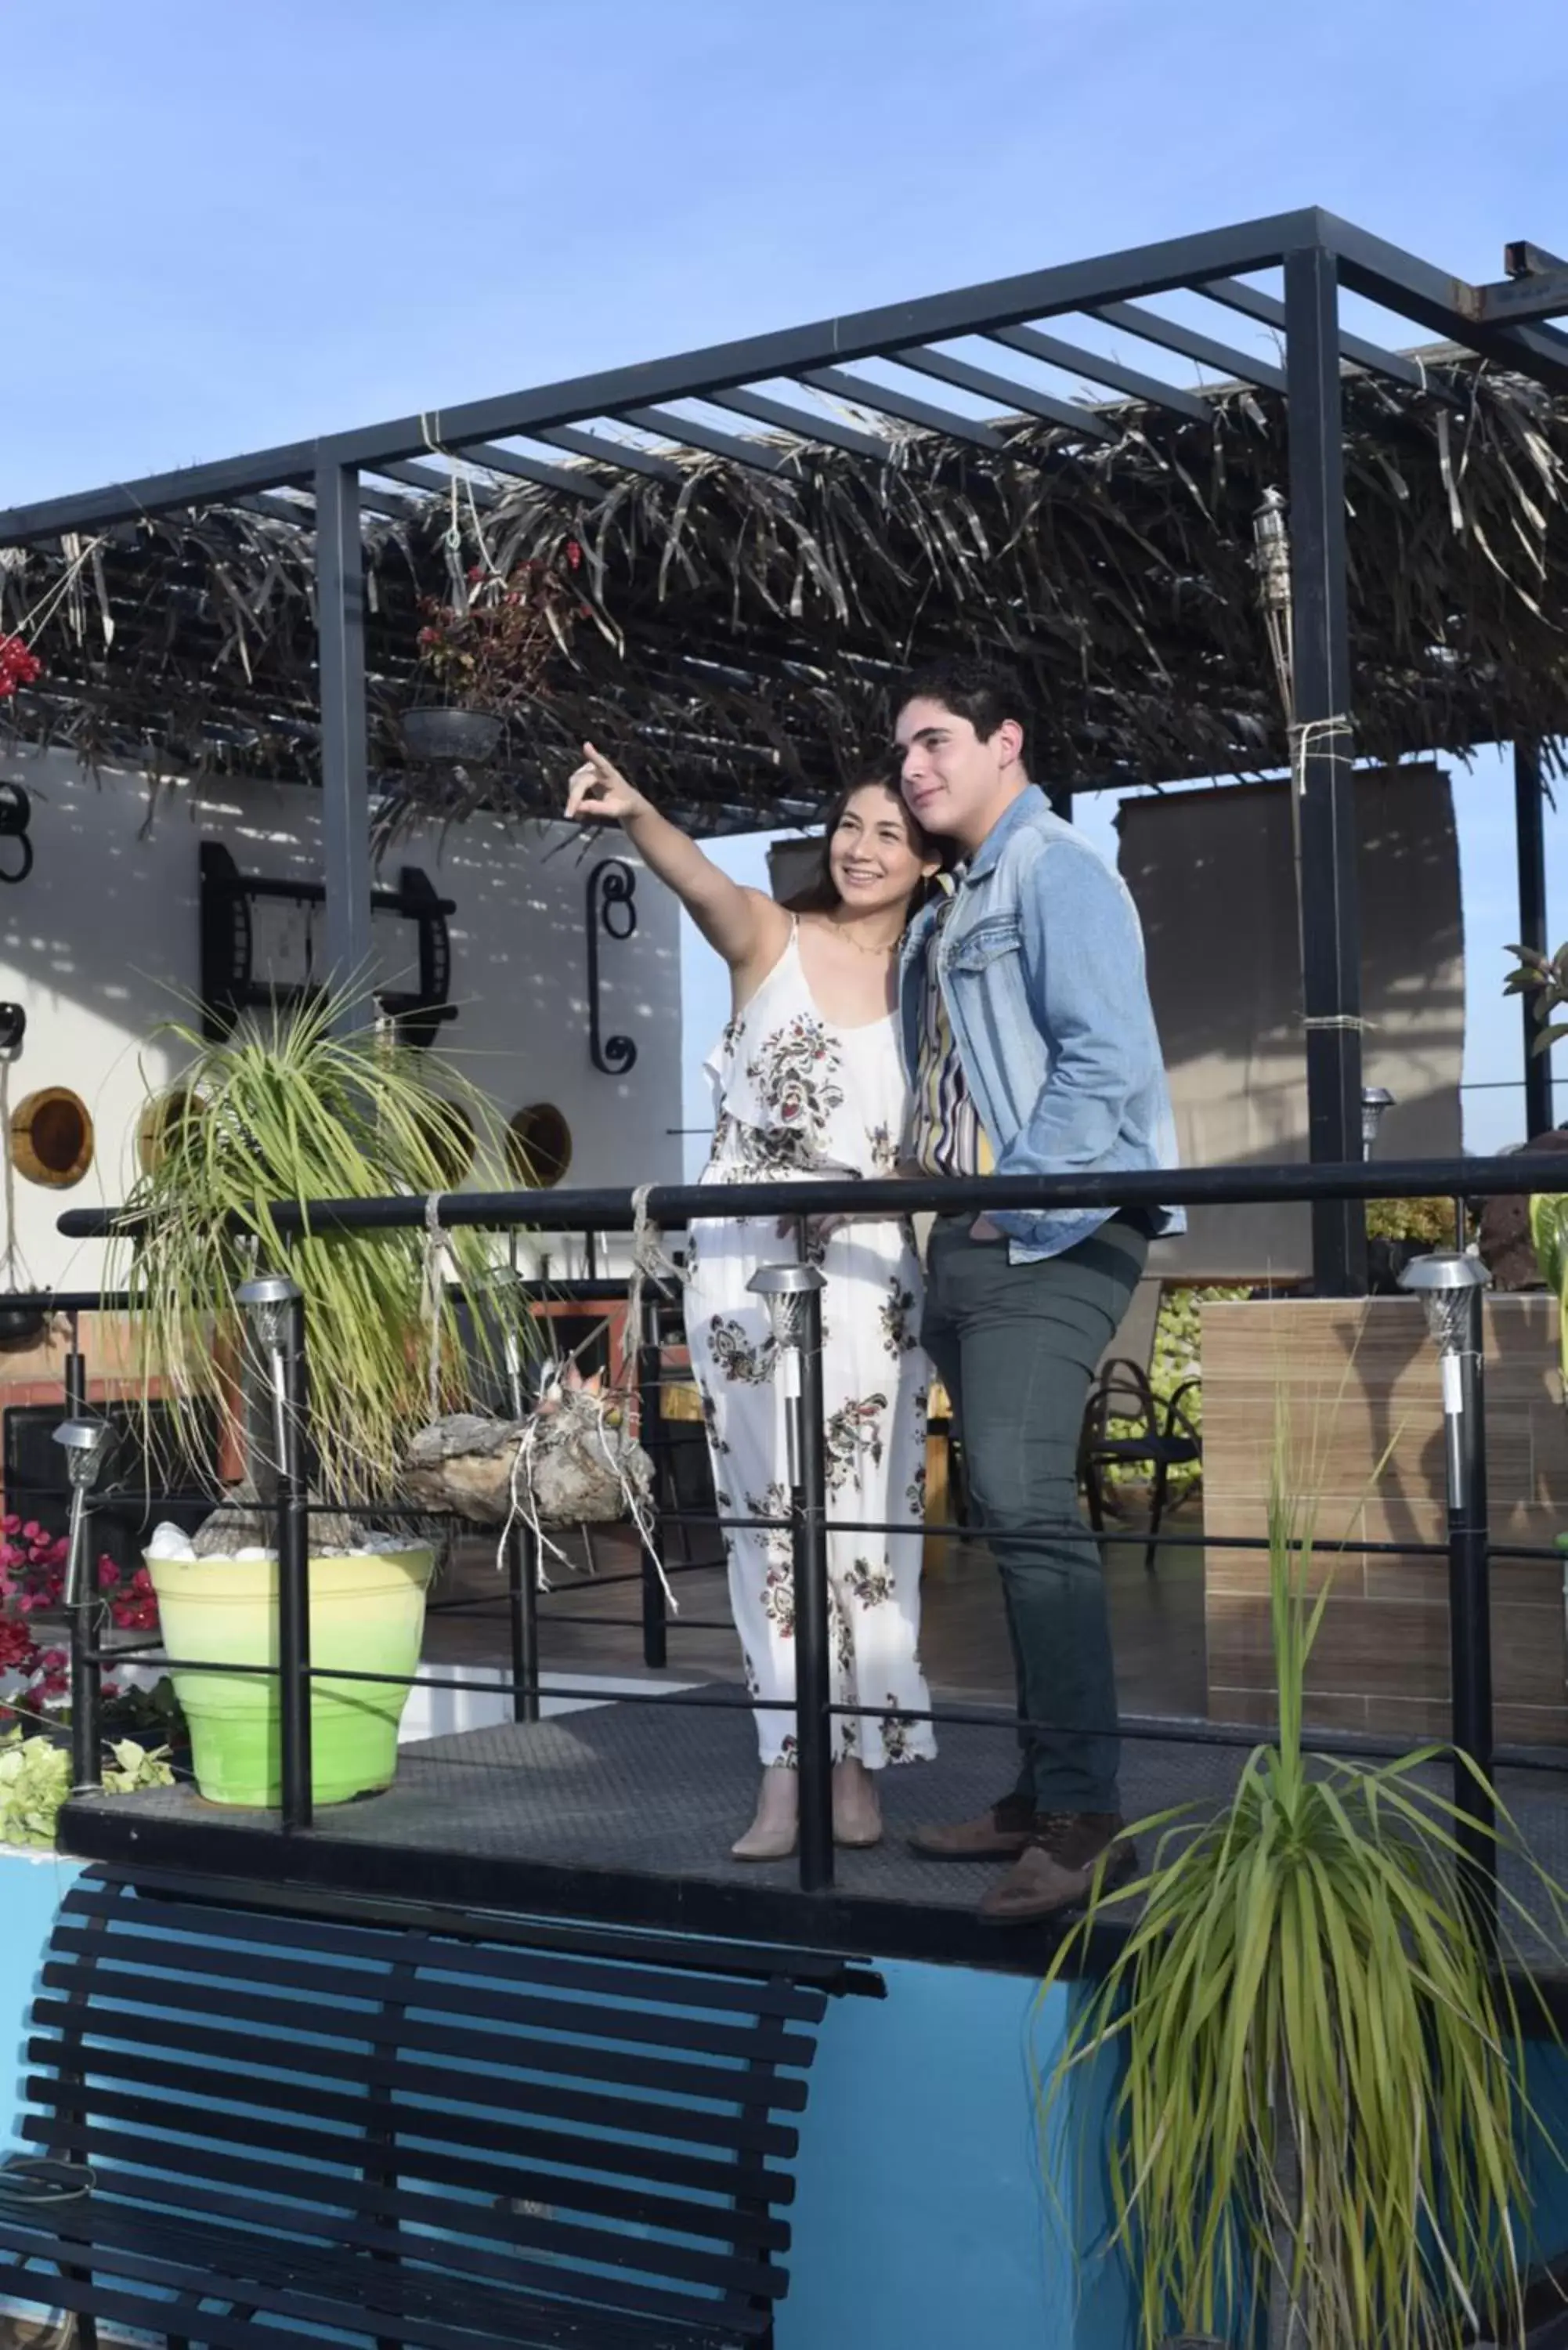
x=626, y=1810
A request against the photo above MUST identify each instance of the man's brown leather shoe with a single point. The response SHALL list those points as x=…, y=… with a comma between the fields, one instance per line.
x=1056, y=1870
x=998, y=1835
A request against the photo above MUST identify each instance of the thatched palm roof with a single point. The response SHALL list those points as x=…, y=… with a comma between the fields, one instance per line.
x=745, y=624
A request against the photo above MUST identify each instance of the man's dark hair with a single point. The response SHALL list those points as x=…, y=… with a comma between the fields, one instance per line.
x=980, y=690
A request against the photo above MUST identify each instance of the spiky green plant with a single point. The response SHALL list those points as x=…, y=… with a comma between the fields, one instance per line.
x=289, y=1109
x=1321, y=2099
x=1549, y=1233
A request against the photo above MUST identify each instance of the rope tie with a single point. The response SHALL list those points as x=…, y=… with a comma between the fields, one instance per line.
x=650, y=1261
x=1307, y=736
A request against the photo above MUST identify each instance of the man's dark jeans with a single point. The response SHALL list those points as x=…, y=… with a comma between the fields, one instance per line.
x=1016, y=1348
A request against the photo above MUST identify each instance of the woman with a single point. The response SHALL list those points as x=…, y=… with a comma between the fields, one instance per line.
x=808, y=1082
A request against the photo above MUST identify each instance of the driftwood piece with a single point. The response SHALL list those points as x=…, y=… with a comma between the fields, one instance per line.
x=579, y=1462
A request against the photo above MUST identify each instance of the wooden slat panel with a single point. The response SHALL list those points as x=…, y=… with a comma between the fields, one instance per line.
x=1359, y=1384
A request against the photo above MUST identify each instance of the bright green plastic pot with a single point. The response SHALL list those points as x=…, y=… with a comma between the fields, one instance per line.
x=367, y=1616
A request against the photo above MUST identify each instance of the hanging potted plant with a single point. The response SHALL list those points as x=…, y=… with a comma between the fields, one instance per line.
x=1319, y=2129
x=289, y=1110
x=485, y=651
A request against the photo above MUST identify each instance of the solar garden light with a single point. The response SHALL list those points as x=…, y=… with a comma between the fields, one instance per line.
x=271, y=1302
x=274, y=1307
x=85, y=1442
x=793, y=1297
x=1450, y=1286
x=1375, y=1102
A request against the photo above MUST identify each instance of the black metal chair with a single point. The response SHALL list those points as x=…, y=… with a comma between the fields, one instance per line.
x=261, y=2114
x=1159, y=1440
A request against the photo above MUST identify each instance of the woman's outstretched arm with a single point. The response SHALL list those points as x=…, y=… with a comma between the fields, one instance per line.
x=743, y=925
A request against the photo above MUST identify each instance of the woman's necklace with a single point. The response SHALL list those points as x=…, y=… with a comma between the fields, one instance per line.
x=840, y=931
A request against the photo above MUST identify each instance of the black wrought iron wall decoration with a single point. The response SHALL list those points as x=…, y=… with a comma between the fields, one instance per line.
x=16, y=815
x=229, y=985
x=612, y=907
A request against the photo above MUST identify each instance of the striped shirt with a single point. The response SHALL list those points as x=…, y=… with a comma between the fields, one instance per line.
x=945, y=1135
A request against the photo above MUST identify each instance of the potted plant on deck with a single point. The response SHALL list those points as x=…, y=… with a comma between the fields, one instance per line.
x=289, y=1110
x=1320, y=2119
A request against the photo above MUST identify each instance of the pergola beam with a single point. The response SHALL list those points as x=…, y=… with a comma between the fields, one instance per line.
x=1240, y=366
x=684, y=432
x=1014, y=399
x=1269, y=311
x=806, y=424
x=882, y=401
x=1399, y=282
x=597, y=446
x=439, y=484
x=1075, y=361
x=527, y=469
x=942, y=317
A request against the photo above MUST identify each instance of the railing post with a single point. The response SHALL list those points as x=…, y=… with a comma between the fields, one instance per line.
x=1529, y=793
x=83, y=1459
x=1323, y=770
x=793, y=1297
x=277, y=1310
x=522, y=1572
x=1451, y=1286
x=345, y=759
x=650, y=1430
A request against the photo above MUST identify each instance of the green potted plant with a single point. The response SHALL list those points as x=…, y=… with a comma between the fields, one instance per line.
x=1322, y=2099
x=289, y=1110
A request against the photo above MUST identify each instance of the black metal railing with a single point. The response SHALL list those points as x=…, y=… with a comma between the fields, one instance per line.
x=788, y=1205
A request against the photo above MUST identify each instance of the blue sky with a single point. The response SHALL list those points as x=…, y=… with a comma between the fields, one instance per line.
x=233, y=226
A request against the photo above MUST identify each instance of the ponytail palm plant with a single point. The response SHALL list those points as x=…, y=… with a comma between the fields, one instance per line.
x=289, y=1109
x=1321, y=2102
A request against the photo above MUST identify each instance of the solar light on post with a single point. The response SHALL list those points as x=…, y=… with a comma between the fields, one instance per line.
x=793, y=1297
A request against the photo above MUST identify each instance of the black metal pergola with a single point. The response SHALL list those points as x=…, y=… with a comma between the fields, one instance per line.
x=327, y=485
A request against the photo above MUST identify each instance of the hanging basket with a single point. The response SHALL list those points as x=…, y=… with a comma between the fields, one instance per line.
x=465, y=737
x=21, y=1325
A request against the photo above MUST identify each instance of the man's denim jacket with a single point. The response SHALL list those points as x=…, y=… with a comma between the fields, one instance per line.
x=1040, y=963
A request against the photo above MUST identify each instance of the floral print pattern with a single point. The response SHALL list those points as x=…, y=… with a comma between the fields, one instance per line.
x=735, y=1358
x=899, y=1319
x=798, y=1097
x=797, y=1073
x=853, y=1429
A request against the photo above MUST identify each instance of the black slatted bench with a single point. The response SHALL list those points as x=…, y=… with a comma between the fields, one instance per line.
x=260, y=2114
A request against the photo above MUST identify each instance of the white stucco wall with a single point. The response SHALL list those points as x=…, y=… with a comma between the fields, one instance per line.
x=102, y=940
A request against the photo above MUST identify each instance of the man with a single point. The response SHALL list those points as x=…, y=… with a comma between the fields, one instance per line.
x=1032, y=1049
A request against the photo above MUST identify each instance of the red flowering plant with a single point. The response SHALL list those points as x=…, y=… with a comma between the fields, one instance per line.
x=491, y=648
x=32, y=1584
x=19, y=665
